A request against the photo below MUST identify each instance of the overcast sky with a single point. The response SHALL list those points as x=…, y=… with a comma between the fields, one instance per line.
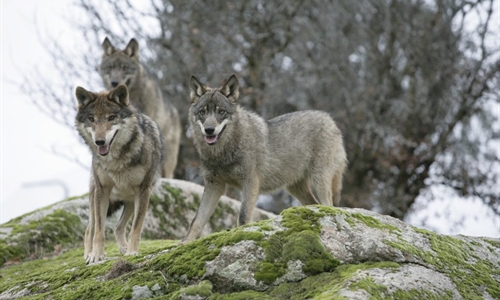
x=32, y=176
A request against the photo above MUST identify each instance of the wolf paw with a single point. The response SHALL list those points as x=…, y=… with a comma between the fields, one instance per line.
x=123, y=249
x=131, y=253
x=93, y=258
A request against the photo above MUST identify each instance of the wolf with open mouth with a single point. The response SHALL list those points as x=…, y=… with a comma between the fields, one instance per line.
x=302, y=152
x=127, y=156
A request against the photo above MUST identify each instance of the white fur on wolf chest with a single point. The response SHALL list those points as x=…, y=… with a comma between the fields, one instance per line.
x=125, y=183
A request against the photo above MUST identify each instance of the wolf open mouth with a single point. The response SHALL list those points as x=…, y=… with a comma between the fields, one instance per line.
x=104, y=150
x=213, y=139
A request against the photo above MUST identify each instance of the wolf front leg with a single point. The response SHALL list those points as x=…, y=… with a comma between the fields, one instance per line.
x=249, y=194
x=101, y=204
x=89, y=233
x=140, y=209
x=211, y=195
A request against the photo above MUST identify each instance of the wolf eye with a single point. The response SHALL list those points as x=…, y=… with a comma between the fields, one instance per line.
x=111, y=118
x=91, y=119
x=201, y=112
x=221, y=111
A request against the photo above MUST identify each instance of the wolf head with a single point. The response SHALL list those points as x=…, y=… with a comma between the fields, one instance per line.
x=119, y=66
x=101, y=115
x=212, y=109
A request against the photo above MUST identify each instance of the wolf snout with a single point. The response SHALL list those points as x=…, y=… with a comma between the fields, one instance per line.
x=114, y=83
x=100, y=142
x=209, y=130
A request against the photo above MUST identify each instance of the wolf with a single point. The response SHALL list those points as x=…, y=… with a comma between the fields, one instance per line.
x=302, y=152
x=123, y=67
x=127, y=155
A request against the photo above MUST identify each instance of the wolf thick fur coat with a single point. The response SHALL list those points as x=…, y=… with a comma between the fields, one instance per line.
x=123, y=67
x=127, y=154
x=301, y=151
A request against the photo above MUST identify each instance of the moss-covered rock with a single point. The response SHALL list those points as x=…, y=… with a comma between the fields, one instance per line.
x=311, y=252
x=39, y=238
x=62, y=225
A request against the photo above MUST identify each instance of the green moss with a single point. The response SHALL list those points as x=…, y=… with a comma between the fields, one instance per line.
x=299, y=242
x=421, y=294
x=203, y=289
x=494, y=243
x=326, y=285
x=265, y=228
x=220, y=211
x=190, y=259
x=16, y=220
x=245, y=295
x=76, y=197
x=454, y=257
x=67, y=277
x=301, y=218
x=39, y=238
x=173, y=202
x=373, y=223
x=376, y=291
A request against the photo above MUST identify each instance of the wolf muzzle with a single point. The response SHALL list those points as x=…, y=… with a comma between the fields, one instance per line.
x=210, y=137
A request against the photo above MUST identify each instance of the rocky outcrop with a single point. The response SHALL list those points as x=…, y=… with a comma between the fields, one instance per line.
x=62, y=225
x=311, y=252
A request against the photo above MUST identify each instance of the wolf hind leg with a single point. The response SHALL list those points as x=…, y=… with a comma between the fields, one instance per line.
x=140, y=206
x=322, y=186
x=336, y=188
x=302, y=191
x=121, y=226
x=172, y=136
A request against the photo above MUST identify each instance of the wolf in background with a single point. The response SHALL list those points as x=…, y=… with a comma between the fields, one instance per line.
x=127, y=155
x=123, y=67
x=301, y=151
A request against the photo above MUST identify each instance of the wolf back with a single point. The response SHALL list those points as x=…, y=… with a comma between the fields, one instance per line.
x=123, y=67
x=301, y=151
x=127, y=154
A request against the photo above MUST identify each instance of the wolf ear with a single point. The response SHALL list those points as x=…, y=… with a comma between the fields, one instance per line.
x=107, y=47
x=132, y=48
x=230, y=89
x=83, y=96
x=119, y=95
x=197, y=89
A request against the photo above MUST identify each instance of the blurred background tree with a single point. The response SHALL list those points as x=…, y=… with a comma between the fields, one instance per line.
x=411, y=84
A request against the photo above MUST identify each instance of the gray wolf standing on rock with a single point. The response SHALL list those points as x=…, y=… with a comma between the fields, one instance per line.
x=301, y=151
x=123, y=67
x=127, y=154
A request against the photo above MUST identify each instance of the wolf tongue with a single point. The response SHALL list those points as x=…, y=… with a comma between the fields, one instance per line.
x=210, y=139
x=103, y=150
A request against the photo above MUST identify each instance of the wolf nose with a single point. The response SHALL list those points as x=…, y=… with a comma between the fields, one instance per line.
x=100, y=142
x=209, y=130
x=114, y=83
